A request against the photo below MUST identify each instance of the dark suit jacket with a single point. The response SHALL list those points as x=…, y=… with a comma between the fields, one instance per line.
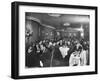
x=32, y=59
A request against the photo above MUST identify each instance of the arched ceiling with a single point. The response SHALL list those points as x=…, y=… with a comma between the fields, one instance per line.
x=62, y=20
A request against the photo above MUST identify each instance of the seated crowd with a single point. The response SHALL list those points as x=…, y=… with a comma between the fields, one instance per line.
x=63, y=52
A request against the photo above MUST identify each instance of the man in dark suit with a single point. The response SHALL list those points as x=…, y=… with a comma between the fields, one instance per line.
x=32, y=58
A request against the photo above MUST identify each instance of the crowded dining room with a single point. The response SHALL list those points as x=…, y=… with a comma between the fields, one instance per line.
x=56, y=40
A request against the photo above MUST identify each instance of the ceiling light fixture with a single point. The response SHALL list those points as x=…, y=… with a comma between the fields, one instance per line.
x=66, y=24
x=54, y=14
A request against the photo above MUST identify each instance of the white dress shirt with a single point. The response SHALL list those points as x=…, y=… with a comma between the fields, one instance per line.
x=64, y=51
